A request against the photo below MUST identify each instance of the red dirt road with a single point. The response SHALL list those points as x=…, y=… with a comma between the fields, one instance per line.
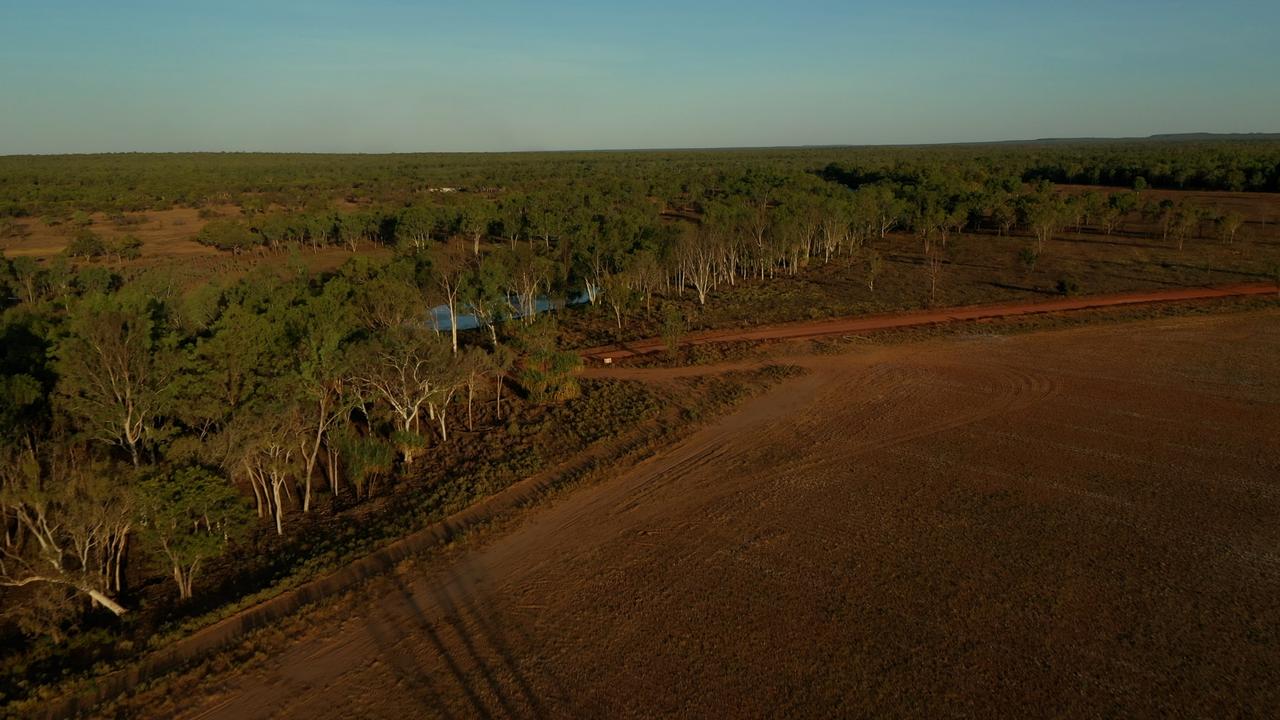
x=1076, y=523
x=869, y=323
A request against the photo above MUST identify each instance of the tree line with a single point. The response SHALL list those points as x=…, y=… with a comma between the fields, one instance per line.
x=142, y=424
x=55, y=187
x=754, y=224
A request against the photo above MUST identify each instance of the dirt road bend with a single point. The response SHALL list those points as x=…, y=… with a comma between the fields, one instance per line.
x=1072, y=523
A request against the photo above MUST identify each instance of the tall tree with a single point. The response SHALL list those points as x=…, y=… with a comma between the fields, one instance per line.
x=190, y=515
x=115, y=364
x=404, y=369
x=450, y=268
x=73, y=514
x=322, y=326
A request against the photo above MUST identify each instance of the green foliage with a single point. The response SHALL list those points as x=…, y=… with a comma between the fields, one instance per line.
x=673, y=328
x=96, y=280
x=128, y=247
x=114, y=364
x=230, y=235
x=86, y=244
x=1027, y=258
x=365, y=459
x=546, y=373
x=190, y=515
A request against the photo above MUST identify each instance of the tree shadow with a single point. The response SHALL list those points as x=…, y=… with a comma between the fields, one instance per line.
x=1117, y=243
x=472, y=644
x=1023, y=288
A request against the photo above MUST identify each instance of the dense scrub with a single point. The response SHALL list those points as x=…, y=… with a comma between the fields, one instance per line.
x=121, y=183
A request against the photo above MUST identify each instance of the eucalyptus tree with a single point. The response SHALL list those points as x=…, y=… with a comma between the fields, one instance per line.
x=1186, y=220
x=475, y=369
x=27, y=277
x=265, y=441
x=417, y=225
x=406, y=368
x=450, y=270
x=1228, y=225
x=1043, y=211
x=235, y=360
x=620, y=295
x=190, y=515
x=365, y=458
x=390, y=301
x=321, y=326
x=474, y=220
x=67, y=516
x=483, y=294
x=501, y=362
x=531, y=274
x=699, y=255
x=115, y=363
x=318, y=228
x=229, y=235
x=835, y=226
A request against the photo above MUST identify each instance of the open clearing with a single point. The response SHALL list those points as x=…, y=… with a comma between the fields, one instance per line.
x=1079, y=522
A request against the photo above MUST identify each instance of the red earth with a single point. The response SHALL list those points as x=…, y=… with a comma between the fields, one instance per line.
x=1076, y=522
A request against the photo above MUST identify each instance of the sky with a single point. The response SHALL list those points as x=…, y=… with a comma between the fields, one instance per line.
x=400, y=76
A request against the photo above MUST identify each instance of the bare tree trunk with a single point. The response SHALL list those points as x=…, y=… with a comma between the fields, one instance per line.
x=276, y=485
x=499, y=400
x=333, y=471
x=106, y=602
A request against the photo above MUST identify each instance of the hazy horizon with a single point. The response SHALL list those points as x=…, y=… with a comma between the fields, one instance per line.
x=393, y=76
x=687, y=148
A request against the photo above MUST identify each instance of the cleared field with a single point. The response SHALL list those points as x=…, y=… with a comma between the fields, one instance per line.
x=1079, y=523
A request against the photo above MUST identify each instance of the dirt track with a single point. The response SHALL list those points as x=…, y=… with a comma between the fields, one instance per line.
x=848, y=325
x=1075, y=523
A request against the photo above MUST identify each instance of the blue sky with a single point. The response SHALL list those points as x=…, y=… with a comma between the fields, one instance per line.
x=393, y=75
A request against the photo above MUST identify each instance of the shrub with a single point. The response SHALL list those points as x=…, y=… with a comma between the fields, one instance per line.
x=85, y=244
x=672, y=328
x=1027, y=258
x=128, y=247
x=228, y=235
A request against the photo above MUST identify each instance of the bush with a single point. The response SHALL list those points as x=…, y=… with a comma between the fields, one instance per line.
x=1067, y=285
x=85, y=244
x=228, y=235
x=128, y=247
x=1027, y=258
x=672, y=328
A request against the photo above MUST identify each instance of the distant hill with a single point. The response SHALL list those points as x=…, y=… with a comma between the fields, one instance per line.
x=1216, y=136
x=1162, y=137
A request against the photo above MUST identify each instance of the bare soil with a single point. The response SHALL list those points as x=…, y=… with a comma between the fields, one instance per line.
x=1068, y=523
x=164, y=233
